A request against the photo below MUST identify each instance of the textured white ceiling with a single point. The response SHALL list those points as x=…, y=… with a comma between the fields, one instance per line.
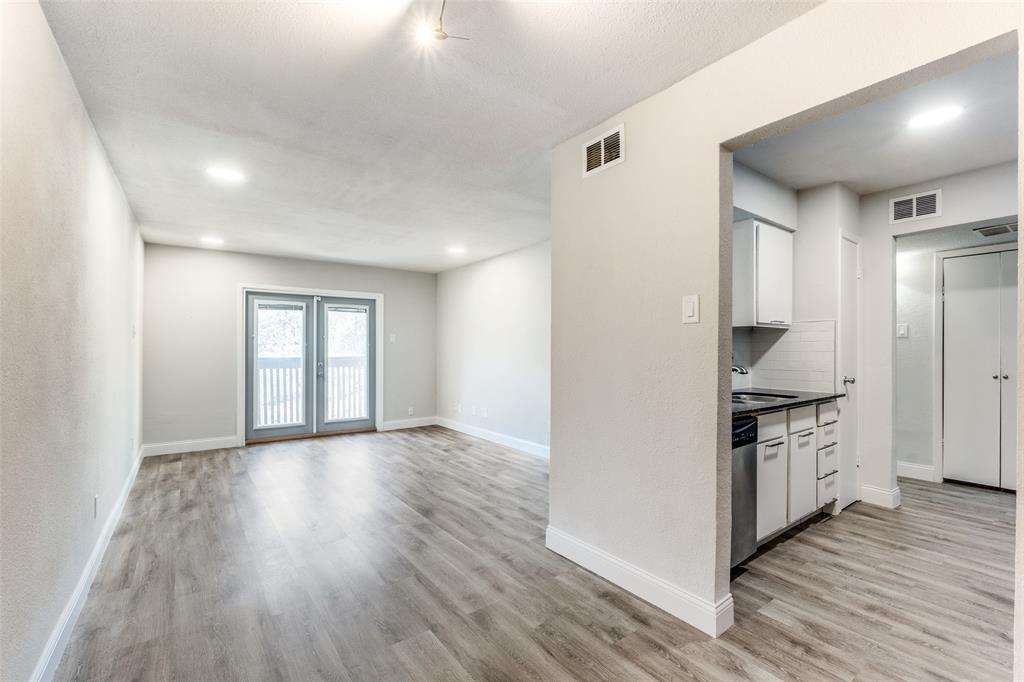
x=871, y=148
x=360, y=145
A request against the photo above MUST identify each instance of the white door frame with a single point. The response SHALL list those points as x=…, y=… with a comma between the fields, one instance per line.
x=839, y=386
x=938, y=378
x=243, y=289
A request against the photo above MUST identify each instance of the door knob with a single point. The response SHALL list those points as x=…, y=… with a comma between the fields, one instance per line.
x=849, y=380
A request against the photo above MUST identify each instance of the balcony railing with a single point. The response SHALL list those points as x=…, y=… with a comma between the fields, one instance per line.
x=280, y=392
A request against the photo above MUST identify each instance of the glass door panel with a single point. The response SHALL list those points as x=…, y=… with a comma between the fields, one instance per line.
x=345, y=364
x=278, y=372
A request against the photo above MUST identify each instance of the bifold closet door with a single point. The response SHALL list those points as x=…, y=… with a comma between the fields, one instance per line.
x=1008, y=362
x=971, y=369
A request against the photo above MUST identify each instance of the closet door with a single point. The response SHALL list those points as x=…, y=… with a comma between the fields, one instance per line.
x=971, y=369
x=1008, y=356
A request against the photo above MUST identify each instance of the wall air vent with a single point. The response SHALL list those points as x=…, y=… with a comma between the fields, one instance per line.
x=604, y=151
x=916, y=206
x=996, y=230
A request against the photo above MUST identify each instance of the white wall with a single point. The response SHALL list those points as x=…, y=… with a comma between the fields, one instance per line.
x=966, y=198
x=825, y=213
x=494, y=346
x=191, y=335
x=640, y=461
x=757, y=195
x=70, y=257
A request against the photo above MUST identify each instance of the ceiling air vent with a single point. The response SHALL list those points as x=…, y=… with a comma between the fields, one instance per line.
x=996, y=230
x=916, y=206
x=604, y=151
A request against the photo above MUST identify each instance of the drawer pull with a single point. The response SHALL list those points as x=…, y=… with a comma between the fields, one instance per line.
x=830, y=445
x=805, y=435
x=775, y=445
x=829, y=423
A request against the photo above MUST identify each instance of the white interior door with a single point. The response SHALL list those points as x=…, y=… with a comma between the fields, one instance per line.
x=971, y=368
x=849, y=356
x=1008, y=361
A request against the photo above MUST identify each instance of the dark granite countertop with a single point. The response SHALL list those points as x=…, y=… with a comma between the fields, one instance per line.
x=799, y=399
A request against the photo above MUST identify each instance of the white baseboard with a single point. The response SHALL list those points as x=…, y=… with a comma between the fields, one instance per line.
x=880, y=497
x=414, y=423
x=709, y=617
x=923, y=472
x=197, y=445
x=48, y=661
x=527, y=446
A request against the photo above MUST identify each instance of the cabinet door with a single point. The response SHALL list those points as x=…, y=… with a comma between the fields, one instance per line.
x=771, y=487
x=774, y=275
x=743, y=268
x=803, y=474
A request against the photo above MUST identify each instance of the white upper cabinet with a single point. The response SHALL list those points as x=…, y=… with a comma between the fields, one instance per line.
x=762, y=265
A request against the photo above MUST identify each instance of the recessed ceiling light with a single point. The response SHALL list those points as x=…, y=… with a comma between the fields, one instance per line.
x=226, y=174
x=212, y=239
x=456, y=250
x=935, y=117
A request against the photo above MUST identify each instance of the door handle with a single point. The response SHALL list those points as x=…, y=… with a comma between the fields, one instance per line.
x=320, y=369
x=1006, y=376
x=849, y=380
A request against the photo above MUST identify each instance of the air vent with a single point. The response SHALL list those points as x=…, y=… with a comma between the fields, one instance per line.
x=916, y=206
x=996, y=230
x=604, y=151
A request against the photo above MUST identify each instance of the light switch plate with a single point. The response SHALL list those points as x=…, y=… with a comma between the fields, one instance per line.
x=902, y=330
x=691, y=309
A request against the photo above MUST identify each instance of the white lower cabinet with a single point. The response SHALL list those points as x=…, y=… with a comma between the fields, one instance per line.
x=828, y=490
x=772, y=482
x=803, y=474
x=797, y=463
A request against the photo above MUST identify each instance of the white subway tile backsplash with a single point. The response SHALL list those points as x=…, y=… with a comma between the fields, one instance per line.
x=801, y=358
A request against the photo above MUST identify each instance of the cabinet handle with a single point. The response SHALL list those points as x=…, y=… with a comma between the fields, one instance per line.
x=805, y=435
x=776, y=322
x=1006, y=376
x=775, y=445
x=995, y=376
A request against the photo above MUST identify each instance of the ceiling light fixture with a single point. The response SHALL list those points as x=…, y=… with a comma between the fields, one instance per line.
x=212, y=240
x=226, y=174
x=935, y=117
x=427, y=35
x=456, y=250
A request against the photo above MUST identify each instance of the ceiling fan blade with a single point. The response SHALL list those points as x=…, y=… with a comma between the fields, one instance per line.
x=458, y=37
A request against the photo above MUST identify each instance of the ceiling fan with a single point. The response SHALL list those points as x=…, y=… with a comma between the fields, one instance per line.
x=426, y=34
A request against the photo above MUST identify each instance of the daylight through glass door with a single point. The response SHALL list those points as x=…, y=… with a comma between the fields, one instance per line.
x=309, y=365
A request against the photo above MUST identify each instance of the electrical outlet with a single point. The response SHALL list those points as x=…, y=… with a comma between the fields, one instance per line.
x=411, y=411
x=392, y=338
x=95, y=506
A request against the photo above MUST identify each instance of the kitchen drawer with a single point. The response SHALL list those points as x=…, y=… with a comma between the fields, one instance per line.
x=801, y=419
x=771, y=426
x=828, y=460
x=828, y=434
x=828, y=489
x=827, y=412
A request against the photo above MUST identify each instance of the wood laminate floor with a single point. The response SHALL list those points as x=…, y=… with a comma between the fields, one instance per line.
x=419, y=555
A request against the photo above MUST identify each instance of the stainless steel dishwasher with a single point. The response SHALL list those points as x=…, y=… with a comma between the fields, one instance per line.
x=744, y=488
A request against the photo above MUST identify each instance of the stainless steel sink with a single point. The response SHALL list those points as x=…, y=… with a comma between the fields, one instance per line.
x=759, y=398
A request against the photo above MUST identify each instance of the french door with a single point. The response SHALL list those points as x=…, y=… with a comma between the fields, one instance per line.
x=309, y=365
x=980, y=369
